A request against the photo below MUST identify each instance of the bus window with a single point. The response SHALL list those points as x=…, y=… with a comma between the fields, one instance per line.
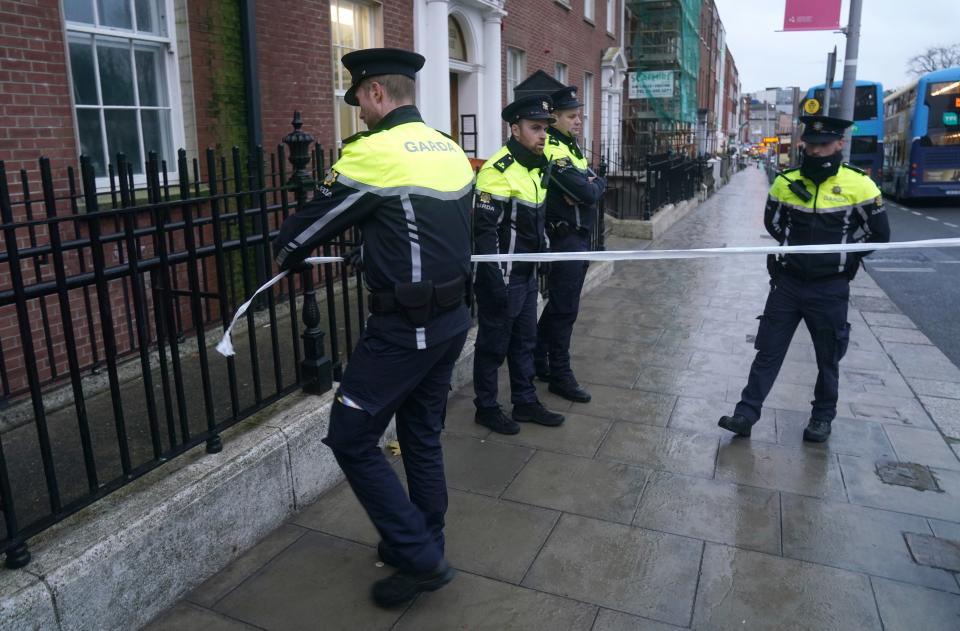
x=864, y=102
x=943, y=99
x=863, y=144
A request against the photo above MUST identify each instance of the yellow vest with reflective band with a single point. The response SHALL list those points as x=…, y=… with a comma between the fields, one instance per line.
x=514, y=182
x=847, y=188
x=555, y=149
x=408, y=155
x=839, y=211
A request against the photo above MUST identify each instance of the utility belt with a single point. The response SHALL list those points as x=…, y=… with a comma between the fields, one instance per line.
x=420, y=302
x=563, y=229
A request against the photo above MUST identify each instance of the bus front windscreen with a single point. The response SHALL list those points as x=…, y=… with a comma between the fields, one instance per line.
x=943, y=124
x=864, y=102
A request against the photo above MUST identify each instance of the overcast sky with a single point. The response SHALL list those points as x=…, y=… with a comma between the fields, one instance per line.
x=891, y=31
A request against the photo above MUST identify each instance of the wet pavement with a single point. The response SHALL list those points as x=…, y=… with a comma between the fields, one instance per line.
x=638, y=512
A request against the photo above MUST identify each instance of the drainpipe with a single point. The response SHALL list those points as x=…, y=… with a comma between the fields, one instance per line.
x=251, y=79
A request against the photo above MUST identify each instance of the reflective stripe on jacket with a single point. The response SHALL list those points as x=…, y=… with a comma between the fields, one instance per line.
x=508, y=215
x=409, y=188
x=845, y=208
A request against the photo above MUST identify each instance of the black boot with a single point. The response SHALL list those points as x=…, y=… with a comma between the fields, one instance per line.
x=737, y=424
x=495, y=419
x=403, y=587
x=570, y=390
x=816, y=431
x=536, y=413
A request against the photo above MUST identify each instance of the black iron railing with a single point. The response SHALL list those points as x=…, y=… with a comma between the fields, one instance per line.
x=111, y=302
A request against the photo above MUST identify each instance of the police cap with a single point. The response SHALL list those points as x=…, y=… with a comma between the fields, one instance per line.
x=566, y=99
x=820, y=129
x=534, y=107
x=370, y=62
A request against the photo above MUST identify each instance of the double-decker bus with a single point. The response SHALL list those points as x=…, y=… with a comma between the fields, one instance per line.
x=922, y=138
x=866, y=143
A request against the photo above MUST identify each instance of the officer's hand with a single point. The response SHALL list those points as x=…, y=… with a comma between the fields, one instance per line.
x=601, y=182
x=354, y=258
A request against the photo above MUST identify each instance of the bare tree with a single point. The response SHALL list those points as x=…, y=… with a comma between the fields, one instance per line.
x=935, y=58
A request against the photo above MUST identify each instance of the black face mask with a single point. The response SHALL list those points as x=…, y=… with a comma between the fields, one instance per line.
x=819, y=168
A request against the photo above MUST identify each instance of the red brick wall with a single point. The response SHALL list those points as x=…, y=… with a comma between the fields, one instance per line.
x=549, y=32
x=35, y=116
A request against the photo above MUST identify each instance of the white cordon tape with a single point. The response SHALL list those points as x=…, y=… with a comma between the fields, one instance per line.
x=225, y=347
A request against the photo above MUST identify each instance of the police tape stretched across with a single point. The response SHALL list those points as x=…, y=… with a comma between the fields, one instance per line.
x=225, y=346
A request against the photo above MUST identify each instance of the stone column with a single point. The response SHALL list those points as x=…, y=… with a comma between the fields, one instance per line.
x=489, y=125
x=436, y=71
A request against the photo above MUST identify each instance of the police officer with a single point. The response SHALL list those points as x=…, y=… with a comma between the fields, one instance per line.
x=572, y=194
x=822, y=202
x=509, y=218
x=409, y=188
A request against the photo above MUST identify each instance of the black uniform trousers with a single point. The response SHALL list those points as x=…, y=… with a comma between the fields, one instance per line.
x=822, y=305
x=383, y=379
x=506, y=329
x=564, y=284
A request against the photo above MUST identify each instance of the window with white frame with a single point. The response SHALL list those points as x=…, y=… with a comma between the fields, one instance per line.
x=587, y=110
x=516, y=69
x=611, y=16
x=588, y=10
x=560, y=72
x=353, y=25
x=124, y=79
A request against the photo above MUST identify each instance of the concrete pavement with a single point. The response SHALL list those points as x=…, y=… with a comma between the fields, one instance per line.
x=638, y=512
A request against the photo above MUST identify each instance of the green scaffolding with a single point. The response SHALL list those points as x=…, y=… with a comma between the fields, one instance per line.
x=665, y=35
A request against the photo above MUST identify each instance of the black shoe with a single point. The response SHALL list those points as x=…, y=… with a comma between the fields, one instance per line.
x=816, y=431
x=387, y=555
x=495, y=419
x=536, y=413
x=542, y=368
x=403, y=587
x=736, y=424
x=570, y=390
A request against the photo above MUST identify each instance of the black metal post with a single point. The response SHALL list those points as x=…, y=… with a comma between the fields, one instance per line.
x=315, y=367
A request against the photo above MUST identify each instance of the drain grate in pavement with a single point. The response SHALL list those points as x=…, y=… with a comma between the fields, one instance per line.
x=909, y=474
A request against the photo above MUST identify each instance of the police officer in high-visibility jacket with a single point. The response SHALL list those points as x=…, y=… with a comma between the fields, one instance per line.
x=573, y=191
x=509, y=218
x=409, y=188
x=822, y=202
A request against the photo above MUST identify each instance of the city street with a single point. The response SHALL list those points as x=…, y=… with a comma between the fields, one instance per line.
x=924, y=284
x=639, y=512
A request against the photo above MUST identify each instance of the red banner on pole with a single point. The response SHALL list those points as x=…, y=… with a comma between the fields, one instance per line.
x=811, y=15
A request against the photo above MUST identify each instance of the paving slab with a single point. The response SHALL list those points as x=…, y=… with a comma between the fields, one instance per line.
x=945, y=413
x=579, y=435
x=935, y=387
x=922, y=445
x=185, y=616
x=495, y=538
x=849, y=436
x=864, y=487
x=661, y=448
x=477, y=603
x=339, y=513
x=607, y=372
x=460, y=415
x=922, y=361
x=688, y=383
x=945, y=529
x=481, y=465
x=701, y=415
x=609, y=620
x=642, y=572
x=623, y=404
x=315, y=576
x=741, y=516
x=741, y=589
x=621, y=333
x=856, y=538
x=910, y=608
x=222, y=583
x=802, y=471
x=597, y=488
